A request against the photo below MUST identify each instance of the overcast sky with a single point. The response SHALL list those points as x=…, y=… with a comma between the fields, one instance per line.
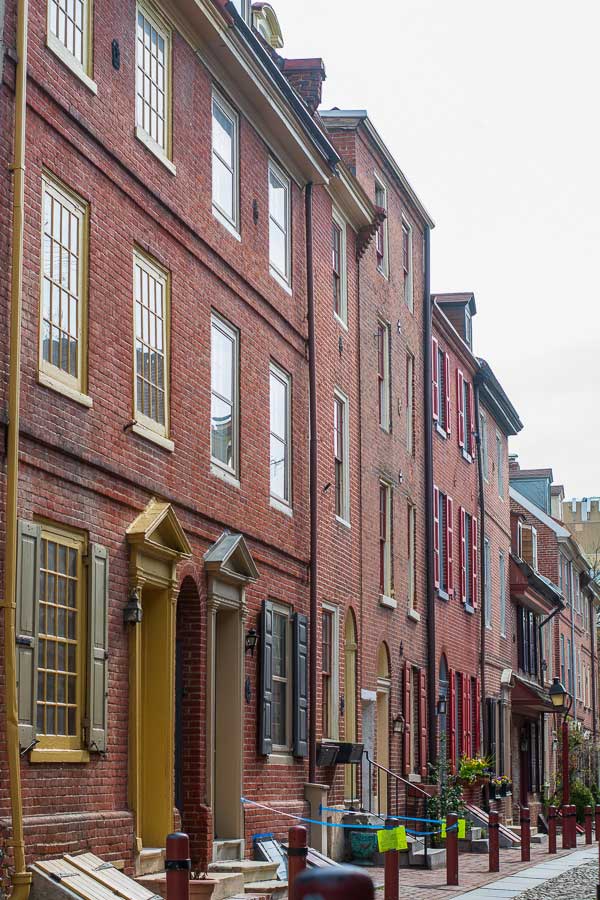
x=492, y=112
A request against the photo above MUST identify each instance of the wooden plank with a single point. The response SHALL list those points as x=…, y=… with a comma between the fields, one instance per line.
x=108, y=875
x=75, y=880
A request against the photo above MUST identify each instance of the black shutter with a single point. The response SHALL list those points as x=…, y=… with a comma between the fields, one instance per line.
x=300, y=706
x=491, y=732
x=265, y=725
x=500, y=759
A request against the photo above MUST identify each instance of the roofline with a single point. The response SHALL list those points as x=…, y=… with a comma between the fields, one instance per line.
x=547, y=520
x=461, y=345
x=496, y=399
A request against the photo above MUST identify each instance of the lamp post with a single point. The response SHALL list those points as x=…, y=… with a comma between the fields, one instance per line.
x=558, y=695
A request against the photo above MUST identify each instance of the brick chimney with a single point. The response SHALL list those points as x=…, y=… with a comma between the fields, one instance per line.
x=306, y=77
x=513, y=463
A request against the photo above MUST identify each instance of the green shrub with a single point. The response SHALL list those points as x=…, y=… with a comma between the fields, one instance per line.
x=581, y=796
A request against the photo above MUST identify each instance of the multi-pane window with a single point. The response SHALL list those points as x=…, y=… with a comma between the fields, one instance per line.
x=153, y=50
x=468, y=520
x=68, y=22
x=529, y=545
x=151, y=337
x=281, y=715
x=385, y=539
x=381, y=233
x=569, y=668
x=60, y=635
x=64, y=263
x=225, y=177
x=488, y=582
x=280, y=428
x=502, y=577
x=383, y=375
x=500, y=463
x=224, y=395
x=410, y=403
x=528, y=641
x=468, y=542
x=326, y=670
x=340, y=455
x=562, y=659
x=442, y=542
x=279, y=223
x=440, y=387
x=483, y=435
x=411, y=537
x=338, y=265
x=407, y=267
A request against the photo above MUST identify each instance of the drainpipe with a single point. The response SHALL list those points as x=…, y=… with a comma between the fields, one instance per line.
x=430, y=587
x=592, y=620
x=21, y=879
x=313, y=476
x=573, y=652
x=484, y=710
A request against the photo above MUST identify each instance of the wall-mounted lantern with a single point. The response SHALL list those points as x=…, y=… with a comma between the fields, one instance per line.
x=251, y=641
x=132, y=614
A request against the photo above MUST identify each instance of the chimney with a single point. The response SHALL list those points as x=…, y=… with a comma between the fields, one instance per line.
x=306, y=77
x=513, y=463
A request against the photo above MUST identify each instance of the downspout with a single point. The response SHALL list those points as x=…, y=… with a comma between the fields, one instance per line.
x=430, y=587
x=484, y=710
x=312, y=478
x=21, y=879
x=573, y=653
x=592, y=620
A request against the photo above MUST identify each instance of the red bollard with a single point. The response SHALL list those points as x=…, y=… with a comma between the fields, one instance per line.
x=494, y=842
x=451, y=849
x=552, y=829
x=525, y=835
x=334, y=883
x=588, y=824
x=597, y=823
x=391, y=870
x=178, y=866
x=297, y=853
x=564, y=812
x=573, y=827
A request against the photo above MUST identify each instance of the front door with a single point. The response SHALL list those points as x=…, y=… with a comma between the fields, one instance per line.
x=227, y=759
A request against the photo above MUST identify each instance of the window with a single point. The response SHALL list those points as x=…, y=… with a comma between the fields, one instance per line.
x=64, y=283
x=69, y=29
x=466, y=427
x=341, y=458
x=411, y=531
x=500, y=464
x=281, y=679
x=415, y=723
x=502, y=576
x=279, y=223
x=529, y=546
x=153, y=77
x=225, y=167
x=570, y=675
x=386, y=578
x=383, y=375
x=562, y=660
x=243, y=8
x=329, y=668
x=468, y=559
x=488, y=582
x=527, y=641
x=381, y=235
x=485, y=461
x=410, y=403
x=407, y=266
x=468, y=327
x=224, y=396
x=151, y=299
x=338, y=250
x=280, y=391
x=441, y=388
x=443, y=543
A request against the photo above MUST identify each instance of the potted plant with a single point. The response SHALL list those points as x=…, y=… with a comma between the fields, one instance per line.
x=505, y=786
x=474, y=770
x=496, y=787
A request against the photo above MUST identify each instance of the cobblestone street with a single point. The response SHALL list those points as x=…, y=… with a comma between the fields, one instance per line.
x=577, y=884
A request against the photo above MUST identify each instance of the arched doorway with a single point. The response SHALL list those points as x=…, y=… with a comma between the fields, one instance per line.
x=350, y=647
x=384, y=683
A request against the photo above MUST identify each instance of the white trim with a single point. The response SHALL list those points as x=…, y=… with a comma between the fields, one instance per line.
x=155, y=149
x=283, y=178
x=150, y=435
x=68, y=60
x=389, y=602
x=231, y=114
x=285, y=611
x=231, y=332
x=61, y=388
x=385, y=270
x=342, y=224
x=284, y=508
x=334, y=699
x=275, y=371
x=369, y=696
x=558, y=530
x=410, y=296
x=222, y=220
x=414, y=615
x=219, y=472
x=343, y=399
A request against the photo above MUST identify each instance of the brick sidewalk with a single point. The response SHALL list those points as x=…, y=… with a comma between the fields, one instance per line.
x=472, y=873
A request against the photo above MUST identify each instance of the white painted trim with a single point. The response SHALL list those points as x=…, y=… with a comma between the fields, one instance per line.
x=224, y=475
x=389, y=602
x=68, y=60
x=342, y=224
x=153, y=436
x=155, y=149
x=61, y=388
x=283, y=503
x=230, y=113
x=335, y=669
x=283, y=177
x=369, y=696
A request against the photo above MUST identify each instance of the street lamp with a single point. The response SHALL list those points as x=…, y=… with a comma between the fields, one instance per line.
x=558, y=696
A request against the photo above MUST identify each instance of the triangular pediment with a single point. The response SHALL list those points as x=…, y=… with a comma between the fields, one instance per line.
x=158, y=530
x=230, y=559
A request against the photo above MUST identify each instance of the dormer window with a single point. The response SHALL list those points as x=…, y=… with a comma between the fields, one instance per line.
x=266, y=23
x=468, y=327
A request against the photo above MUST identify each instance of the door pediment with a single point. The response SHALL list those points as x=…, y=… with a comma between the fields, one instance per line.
x=230, y=560
x=158, y=532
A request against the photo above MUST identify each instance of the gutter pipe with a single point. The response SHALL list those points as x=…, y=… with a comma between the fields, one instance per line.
x=430, y=587
x=484, y=710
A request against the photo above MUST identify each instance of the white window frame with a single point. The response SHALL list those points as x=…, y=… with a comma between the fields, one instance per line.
x=341, y=223
x=81, y=68
x=500, y=464
x=344, y=517
x=387, y=597
x=488, y=582
x=283, y=278
x=502, y=577
x=483, y=436
x=412, y=541
x=285, y=611
x=162, y=151
x=334, y=687
x=244, y=9
x=217, y=466
x=231, y=223
x=285, y=378
x=384, y=268
x=410, y=403
x=409, y=293
x=385, y=386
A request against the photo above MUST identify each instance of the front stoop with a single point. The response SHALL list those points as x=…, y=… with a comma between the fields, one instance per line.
x=232, y=848
x=216, y=886
x=276, y=890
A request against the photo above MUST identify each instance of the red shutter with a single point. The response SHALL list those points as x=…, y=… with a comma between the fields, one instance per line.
x=466, y=715
x=463, y=555
x=423, y=722
x=448, y=405
x=436, y=537
x=471, y=422
x=380, y=370
x=449, y=547
x=406, y=735
x=460, y=406
x=452, y=720
x=435, y=378
x=474, y=562
x=478, y=717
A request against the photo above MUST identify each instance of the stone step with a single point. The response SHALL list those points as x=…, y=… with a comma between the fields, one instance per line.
x=252, y=870
x=217, y=886
x=480, y=845
x=436, y=858
x=274, y=889
x=232, y=848
x=517, y=829
x=150, y=860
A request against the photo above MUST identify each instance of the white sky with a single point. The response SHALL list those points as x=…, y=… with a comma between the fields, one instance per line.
x=492, y=112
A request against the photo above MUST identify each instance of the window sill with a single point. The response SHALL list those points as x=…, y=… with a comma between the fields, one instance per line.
x=414, y=778
x=42, y=755
x=441, y=431
x=443, y=595
x=68, y=60
x=343, y=522
x=155, y=149
x=282, y=506
x=469, y=609
x=227, y=225
x=224, y=475
x=153, y=436
x=55, y=385
x=388, y=602
x=414, y=615
x=340, y=321
x=280, y=758
x=283, y=284
x=466, y=456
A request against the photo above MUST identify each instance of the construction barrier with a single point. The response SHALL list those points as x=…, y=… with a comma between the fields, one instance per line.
x=552, y=813
x=452, y=849
x=297, y=853
x=525, y=835
x=334, y=883
x=178, y=866
x=494, y=842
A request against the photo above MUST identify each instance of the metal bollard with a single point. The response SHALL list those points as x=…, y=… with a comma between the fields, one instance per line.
x=588, y=824
x=451, y=849
x=564, y=812
x=494, y=841
x=334, y=883
x=525, y=835
x=178, y=866
x=297, y=853
x=573, y=829
x=391, y=869
x=552, y=829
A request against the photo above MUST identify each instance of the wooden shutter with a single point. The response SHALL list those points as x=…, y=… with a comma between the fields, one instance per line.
x=527, y=544
x=449, y=548
x=435, y=379
x=474, y=563
x=447, y=384
x=407, y=722
x=463, y=554
x=436, y=537
x=460, y=407
x=265, y=730
x=423, y=722
x=477, y=736
x=452, y=718
x=471, y=422
x=29, y=541
x=300, y=708
x=97, y=647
